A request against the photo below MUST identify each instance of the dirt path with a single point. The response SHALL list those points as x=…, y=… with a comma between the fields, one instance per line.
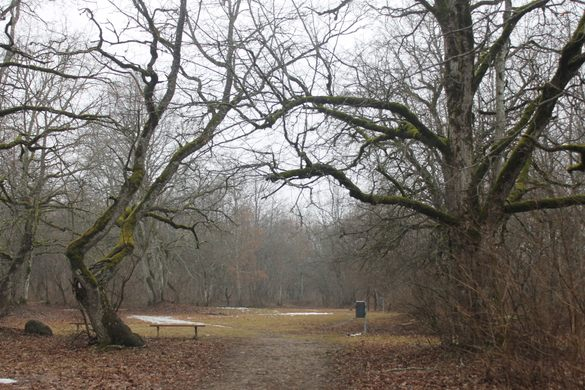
x=275, y=362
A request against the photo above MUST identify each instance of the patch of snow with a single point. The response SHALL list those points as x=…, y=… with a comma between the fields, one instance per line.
x=235, y=308
x=7, y=381
x=311, y=313
x=354, y=334
x=162, y=320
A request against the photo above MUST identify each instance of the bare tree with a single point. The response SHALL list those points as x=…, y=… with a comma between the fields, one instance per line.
x=208, y=90
x=39, y=103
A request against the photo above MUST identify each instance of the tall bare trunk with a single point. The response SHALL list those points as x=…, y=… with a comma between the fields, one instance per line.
x=500, y=89
x=466, y=266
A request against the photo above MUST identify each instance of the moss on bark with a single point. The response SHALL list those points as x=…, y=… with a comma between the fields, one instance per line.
x=119, y=332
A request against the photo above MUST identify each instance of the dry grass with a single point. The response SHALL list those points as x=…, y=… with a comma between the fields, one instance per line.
x=383, y=328
x=333, y=327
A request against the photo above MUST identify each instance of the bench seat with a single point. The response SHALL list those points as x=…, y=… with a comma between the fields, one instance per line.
x=193, y=325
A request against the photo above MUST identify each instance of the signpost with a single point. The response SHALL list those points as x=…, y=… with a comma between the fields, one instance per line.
x=360, y=312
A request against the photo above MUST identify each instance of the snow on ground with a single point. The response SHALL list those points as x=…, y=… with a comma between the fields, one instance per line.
x=311, y=313
x=297, y=313
x=162, y=320
x=7, y=381
x=235, y=308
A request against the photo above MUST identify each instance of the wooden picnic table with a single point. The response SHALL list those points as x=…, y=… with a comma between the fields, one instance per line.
x=193, y=325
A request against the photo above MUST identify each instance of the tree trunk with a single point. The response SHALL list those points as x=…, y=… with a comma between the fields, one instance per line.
x=175, y=292
x=239, y=285
x=470, y=288
x=11, y=281
x=107, y=325
x=227, y=294
x=59, y=284
x=26, y=277
x=500, y=91
x=465, y=264
x=6, y=293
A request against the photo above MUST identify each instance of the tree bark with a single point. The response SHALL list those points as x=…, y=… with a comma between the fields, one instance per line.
x=11, y=281
x=107, y=325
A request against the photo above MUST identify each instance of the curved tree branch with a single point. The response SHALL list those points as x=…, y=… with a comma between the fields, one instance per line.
x=320, y=170
x=418, y=130
x=544, y=204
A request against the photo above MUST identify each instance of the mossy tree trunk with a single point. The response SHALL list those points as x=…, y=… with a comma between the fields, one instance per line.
x=105, y=322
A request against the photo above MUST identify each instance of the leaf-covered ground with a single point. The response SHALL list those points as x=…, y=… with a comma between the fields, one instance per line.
x=63, y=362
x=238, y=349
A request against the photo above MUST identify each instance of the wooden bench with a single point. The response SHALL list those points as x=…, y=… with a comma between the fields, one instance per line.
x=193, y=325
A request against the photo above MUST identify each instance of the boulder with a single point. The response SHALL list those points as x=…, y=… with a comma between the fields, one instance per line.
x=37, y=327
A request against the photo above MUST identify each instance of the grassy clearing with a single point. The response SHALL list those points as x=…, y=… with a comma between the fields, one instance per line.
x=383, y=328
x=245, y=323
x=334, y=327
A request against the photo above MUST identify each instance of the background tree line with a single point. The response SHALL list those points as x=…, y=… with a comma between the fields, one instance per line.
x=254, y=253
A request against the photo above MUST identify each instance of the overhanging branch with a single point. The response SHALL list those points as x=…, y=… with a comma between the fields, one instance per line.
x=544, y=204
x=320, y=170
x=418, y=130
x=72, y=115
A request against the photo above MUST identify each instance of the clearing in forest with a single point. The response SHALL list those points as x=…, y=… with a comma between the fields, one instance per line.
x=239, y=348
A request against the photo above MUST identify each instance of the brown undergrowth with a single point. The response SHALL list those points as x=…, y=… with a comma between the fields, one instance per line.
x=396, y=353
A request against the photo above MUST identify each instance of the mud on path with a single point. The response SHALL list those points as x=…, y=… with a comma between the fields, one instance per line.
x=275, y=362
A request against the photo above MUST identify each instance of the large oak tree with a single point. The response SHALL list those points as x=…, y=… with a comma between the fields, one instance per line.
x=414, y=120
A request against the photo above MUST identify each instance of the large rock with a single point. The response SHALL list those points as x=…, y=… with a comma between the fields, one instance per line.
x=37, y=327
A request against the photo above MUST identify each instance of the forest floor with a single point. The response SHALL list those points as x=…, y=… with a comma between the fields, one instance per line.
x=238, y=348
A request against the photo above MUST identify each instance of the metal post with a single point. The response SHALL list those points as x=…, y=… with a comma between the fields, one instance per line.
x=365, y=324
